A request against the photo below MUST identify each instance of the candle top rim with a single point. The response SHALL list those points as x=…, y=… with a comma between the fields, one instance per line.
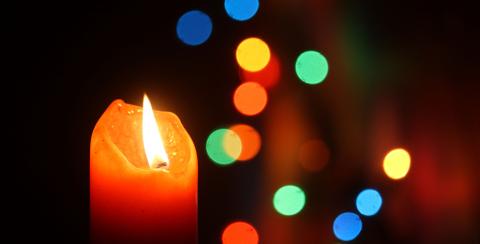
x=121, y=126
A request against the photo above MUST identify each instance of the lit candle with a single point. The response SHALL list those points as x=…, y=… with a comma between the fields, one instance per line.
x=143, y=177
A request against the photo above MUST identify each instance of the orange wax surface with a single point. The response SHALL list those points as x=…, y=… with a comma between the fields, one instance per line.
x=129, y=201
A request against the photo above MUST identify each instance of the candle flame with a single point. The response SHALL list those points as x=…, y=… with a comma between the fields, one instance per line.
x=154, y=149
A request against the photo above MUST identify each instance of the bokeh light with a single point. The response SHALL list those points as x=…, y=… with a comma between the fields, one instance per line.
x=396, y=163
x=252, y=54
x=223, y=146
x=369, y=202
x=268, y=77
x=232, y=144
x=194, y=27
x=250, y=98
x=240, y=233
x=311, y=67
x=241, y=10
x=289, y=200
x=251, y=141
x=313, y=155
x=347, y=226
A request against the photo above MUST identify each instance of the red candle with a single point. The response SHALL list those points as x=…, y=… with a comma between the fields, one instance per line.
x=143, y=177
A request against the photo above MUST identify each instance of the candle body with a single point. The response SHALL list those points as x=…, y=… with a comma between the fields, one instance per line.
x=131, y=203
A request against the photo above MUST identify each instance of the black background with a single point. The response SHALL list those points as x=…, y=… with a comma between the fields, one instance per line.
x=74, y=58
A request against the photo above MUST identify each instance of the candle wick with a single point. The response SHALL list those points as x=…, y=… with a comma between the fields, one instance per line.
x=159, y=164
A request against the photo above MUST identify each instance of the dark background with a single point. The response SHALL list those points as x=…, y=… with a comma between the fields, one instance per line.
x=75, y=58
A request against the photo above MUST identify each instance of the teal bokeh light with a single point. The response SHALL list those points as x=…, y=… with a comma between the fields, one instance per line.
x=311, y=67
x=289, y=200
x=217, y=146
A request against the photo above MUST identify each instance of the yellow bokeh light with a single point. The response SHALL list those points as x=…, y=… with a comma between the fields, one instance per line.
x=232, y=144
x=253, y=54
x=396, y=163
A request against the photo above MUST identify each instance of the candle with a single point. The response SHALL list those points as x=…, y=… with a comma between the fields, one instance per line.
x=143, y=177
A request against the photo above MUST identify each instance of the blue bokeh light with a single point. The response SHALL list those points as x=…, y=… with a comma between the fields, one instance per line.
x=241, y=10
x=194, y=27
x=347, y=226
x=369, y=202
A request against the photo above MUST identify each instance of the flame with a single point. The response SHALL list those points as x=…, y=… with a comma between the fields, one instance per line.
x=154, y=149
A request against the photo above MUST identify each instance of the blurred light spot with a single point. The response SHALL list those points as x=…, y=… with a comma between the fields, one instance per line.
x=223, y=146
x=250, y=98
x=241, y=10
x=251, y=141
x=313, y=155
x=232, y=143
x=289, y=200
x=194, y=27
x=253, y=54
x=239, y=233
x=311, y=67
x=347, y=226
x=369, y=202
x=396, y=163
x=267, y=77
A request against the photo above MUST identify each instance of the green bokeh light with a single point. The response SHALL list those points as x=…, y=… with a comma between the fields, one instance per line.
x=217, y=146
x=311, y=67
x=289, y=200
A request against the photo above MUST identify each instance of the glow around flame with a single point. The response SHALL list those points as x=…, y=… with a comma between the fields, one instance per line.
x=152, y=141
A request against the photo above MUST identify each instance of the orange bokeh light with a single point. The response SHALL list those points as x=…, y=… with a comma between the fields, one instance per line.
x=250, y=98
x=251, y=141
x=313, y=155
x=239, y=233
x=267, y=77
